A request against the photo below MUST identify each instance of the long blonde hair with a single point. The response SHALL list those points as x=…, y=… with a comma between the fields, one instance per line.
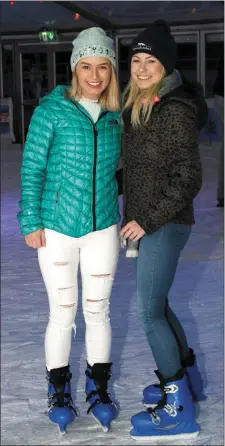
x=141, y=100
x=109, y=99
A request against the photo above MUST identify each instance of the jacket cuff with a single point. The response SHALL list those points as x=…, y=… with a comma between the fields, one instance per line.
x=25, y=230
x=147, y=225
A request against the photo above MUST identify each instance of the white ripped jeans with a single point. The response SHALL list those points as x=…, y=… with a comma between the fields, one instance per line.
x=97, y=254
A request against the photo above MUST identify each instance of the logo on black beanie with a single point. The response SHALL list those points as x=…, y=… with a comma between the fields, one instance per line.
x=142, y=46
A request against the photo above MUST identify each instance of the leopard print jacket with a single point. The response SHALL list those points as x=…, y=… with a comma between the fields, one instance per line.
x=162, y=168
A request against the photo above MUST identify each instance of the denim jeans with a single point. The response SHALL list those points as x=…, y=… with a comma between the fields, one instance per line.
x=156, y=267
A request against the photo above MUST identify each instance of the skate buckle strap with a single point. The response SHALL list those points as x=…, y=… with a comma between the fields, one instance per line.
x=98, y=401
x=62, y=379
x=60, y=398
x=101, y=390
x=171, y=409
x=154, y=415
x=60, y=401
x=171, y=389
x=102, y=397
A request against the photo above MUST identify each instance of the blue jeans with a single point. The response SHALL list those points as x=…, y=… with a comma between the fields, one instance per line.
x=156, y=267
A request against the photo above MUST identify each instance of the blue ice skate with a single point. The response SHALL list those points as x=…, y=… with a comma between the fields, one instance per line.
x=60, y=404
x=173, y=418
x=153, y=393
x=103, y=409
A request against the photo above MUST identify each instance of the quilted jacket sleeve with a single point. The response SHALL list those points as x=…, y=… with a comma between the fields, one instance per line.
x=38, y=142
x=180, y=141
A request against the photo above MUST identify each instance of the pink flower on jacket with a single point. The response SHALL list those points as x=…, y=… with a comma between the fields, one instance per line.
x=156, y=99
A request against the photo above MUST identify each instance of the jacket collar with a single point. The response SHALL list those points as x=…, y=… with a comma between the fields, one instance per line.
x=170, y=83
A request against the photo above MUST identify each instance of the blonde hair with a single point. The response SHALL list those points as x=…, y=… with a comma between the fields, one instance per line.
x=109, y=99
x=141, y=100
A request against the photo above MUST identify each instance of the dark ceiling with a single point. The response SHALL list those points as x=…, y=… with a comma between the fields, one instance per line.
x=30, y=16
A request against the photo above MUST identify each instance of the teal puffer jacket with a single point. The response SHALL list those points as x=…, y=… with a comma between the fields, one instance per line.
x=68, y=169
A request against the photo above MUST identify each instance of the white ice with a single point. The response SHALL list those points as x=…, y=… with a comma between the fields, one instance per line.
x=196, y=296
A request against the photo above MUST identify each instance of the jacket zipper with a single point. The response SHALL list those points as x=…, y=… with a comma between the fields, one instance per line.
x=125, y=182
x=95, y=163
x=94, y=177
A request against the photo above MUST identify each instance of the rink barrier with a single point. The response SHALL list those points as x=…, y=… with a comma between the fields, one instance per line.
x=6, y=122
x=212, y=130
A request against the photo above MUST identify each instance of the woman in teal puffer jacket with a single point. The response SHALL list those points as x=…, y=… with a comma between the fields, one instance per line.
x=69, y=212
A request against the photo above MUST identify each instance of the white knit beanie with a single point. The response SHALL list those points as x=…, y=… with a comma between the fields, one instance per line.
x=92, y=42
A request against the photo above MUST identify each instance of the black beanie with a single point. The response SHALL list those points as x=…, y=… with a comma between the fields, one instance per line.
x=157, y=41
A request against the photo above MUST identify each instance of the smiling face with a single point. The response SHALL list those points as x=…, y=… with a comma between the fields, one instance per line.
x=146, y=70
x=93, y=74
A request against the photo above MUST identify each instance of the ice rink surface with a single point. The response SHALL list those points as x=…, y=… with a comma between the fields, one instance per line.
x=196, y=297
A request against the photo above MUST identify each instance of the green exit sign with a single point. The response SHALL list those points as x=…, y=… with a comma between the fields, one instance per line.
x=48, y=36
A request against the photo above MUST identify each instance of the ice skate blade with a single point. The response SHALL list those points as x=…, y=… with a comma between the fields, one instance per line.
x=62, y=429
x=152, y=406
x=161, y=439
x=104, y=428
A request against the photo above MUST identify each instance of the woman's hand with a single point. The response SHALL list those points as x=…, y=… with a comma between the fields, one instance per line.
x=133, y=231
x=36, y=239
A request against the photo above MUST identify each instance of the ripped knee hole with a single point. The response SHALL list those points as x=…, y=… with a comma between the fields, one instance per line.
x=65, y=288
x=67, y=306
x=99, y=300
x=101, y=275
